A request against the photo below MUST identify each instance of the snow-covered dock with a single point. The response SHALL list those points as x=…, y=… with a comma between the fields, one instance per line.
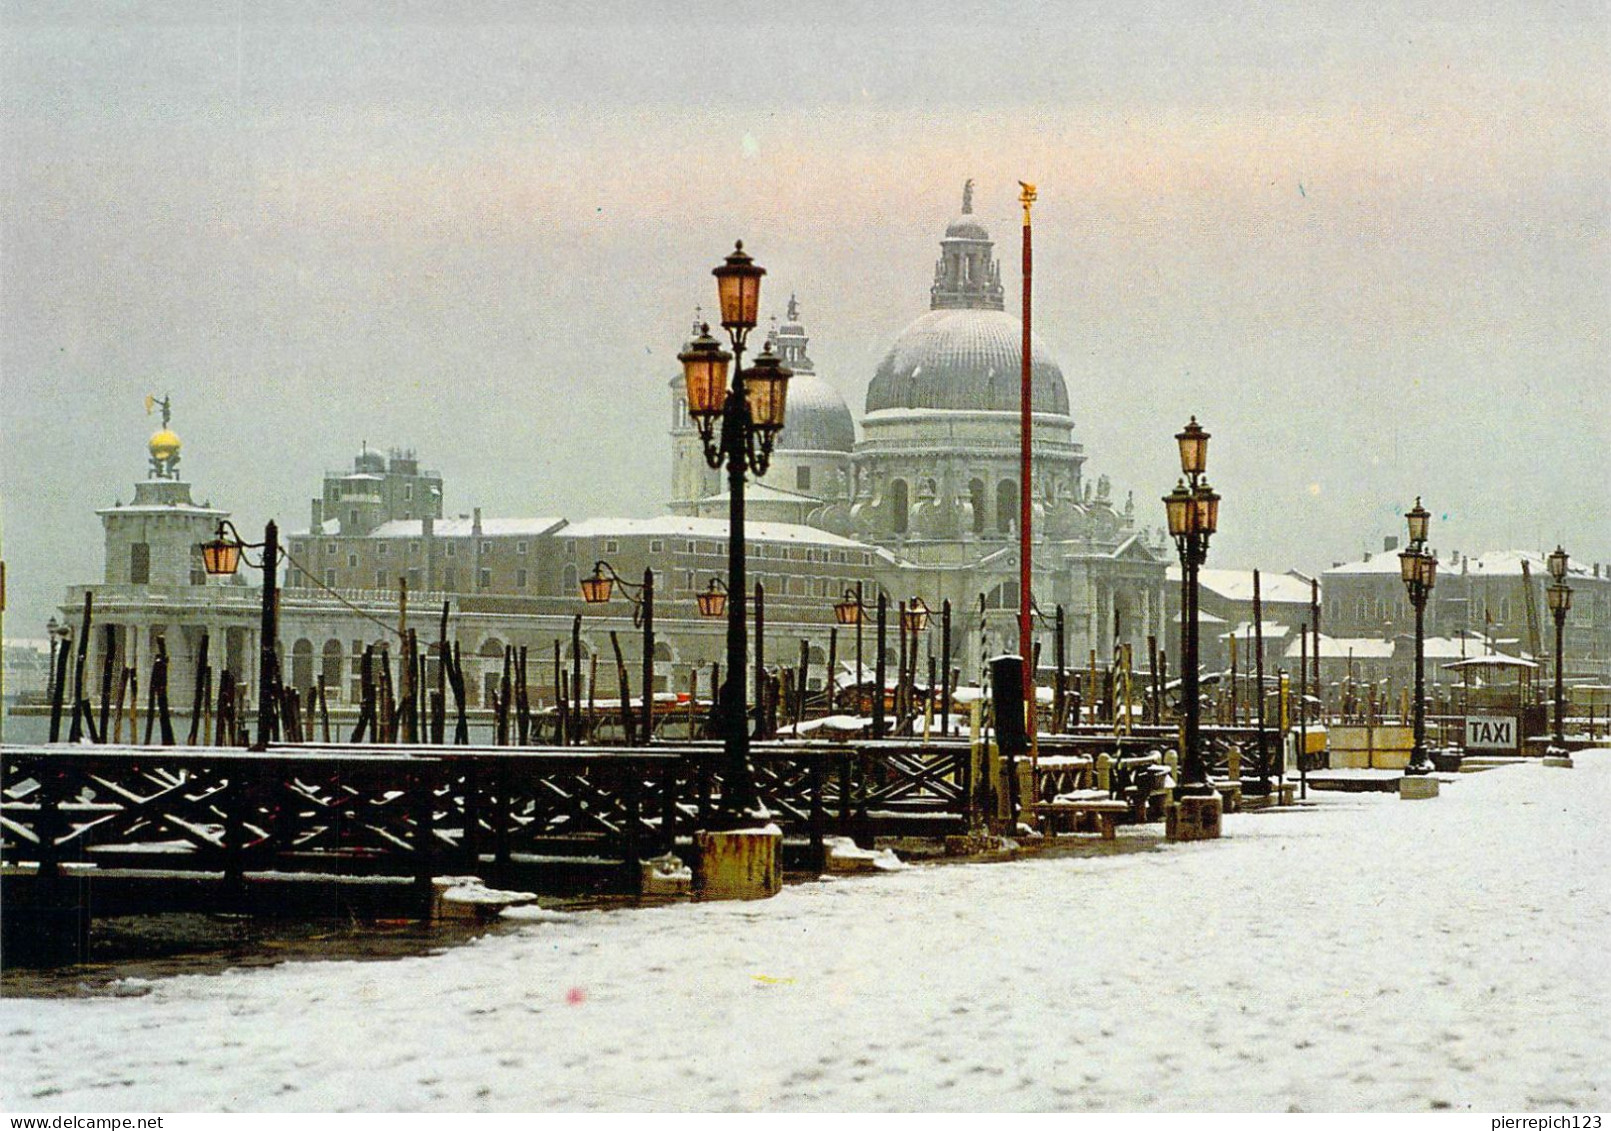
x=1359, y=953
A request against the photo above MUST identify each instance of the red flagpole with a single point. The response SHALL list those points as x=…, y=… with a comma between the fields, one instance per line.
x=1025, y=424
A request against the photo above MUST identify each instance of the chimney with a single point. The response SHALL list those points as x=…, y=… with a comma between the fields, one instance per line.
x=316, y=525
x=475, y=525
x=1389, y=543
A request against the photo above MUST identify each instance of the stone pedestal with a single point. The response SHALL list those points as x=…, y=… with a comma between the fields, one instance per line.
x=1417, y=787
x=1193, y=818
x=739, y=864
x=1559, y=757
x=665, y=876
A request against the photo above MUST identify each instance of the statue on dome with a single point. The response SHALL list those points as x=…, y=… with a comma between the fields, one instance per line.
x=967, y=197
x=164, y=445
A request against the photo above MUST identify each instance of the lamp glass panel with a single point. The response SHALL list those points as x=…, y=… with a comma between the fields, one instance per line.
x=1418, y=520
x=596, y=589
x=847, y=612
x=712, y=603
x=1177, y=504
x=704, y=369
x=1557, y=564
x=738, y=288
x=766, y=388
x=1429, y=570
x=1193, y=443
x=220, y=557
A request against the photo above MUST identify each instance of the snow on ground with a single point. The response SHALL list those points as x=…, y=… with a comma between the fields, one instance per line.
x=1364, y=953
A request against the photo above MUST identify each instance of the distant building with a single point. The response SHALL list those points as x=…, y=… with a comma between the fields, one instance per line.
x=1484, y=605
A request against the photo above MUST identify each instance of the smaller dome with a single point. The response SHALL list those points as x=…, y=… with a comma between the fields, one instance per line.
x=816, y=418
x=965, y=227
x=164, y=445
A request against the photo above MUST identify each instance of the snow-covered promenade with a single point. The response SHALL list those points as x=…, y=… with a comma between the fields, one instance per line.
x=1364, y=953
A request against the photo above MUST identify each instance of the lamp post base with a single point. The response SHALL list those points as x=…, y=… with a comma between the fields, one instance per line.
x=1194, y=816
x=1417, y=787
x=738, y=863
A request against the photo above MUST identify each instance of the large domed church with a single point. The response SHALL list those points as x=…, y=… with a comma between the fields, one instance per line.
x=934, y=477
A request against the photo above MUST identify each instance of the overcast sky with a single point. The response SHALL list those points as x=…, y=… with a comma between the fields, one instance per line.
x=1369, y=251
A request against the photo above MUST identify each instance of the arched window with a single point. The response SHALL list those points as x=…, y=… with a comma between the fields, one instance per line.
x=1003, y=596
x=976, y=493
x=899, y=503
x=568, y=582
x=1006, y=506
x=302, y=665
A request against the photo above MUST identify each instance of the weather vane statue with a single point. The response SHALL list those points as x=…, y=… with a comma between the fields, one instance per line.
x=967, y=197
x=164, y=445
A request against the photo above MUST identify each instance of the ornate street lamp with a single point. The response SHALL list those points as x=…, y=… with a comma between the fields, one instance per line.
x=915, y=617
x=751, y=412
x=597, y=589
x=1192, y=509
x=1419, y=569
x=713, y=601
x=1559, y=596
x=222, y=557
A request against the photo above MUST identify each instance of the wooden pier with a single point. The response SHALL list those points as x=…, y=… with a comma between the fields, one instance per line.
x=362, y=830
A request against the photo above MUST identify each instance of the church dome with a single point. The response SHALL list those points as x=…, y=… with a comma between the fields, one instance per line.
x=967, y=360
x=816, y=419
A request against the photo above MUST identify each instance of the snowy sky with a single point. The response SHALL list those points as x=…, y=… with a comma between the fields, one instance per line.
x=1369, y=251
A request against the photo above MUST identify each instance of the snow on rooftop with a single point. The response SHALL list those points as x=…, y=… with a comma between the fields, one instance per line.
x=712, y=528
x=1237, y=585
x=1494, y=563
x=765, y=492
x=1244, y=630
x=1343, y=647
x=465, y=527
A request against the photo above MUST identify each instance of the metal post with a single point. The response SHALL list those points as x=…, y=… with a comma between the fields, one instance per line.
x=1420, y=764
x=878, y=668
x=1314, y=631
x=648, y=654
x=860, y=669
x=1303, y=711
x=1258, y=672
x=1560, y=681
x=945, y=665
x=738, y=791
x=1194, y=772
x=575, y=708
x=266, y=658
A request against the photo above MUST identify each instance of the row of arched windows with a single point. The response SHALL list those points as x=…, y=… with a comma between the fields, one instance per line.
x=1006, y=511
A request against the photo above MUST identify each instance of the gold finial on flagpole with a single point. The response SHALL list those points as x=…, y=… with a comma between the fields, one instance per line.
x=1026, y=198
